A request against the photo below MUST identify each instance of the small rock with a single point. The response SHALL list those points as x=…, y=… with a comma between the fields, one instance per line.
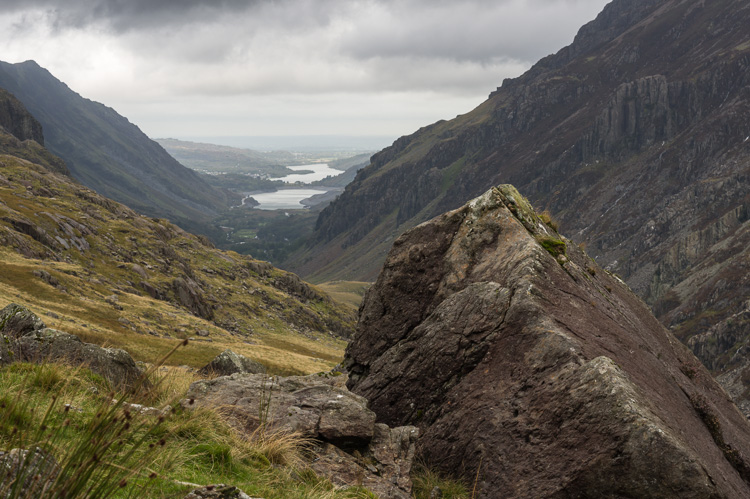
x=39, y=473
x=219, y=491
x=228, y=362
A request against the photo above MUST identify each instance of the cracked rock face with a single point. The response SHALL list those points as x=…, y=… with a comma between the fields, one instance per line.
x=536, y=371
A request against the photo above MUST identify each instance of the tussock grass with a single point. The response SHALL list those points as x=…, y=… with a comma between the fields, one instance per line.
x=426, y=479
x=62, y=409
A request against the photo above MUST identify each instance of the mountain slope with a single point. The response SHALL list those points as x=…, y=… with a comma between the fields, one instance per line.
x=635, y=137
x=112, y=276
x=107, y=153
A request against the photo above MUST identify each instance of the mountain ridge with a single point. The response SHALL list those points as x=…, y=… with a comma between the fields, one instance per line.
x=635, y=140
x=106, y=152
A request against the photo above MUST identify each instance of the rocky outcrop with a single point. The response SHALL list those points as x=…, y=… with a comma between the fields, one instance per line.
x=531, y=369
x=17, y=121
x=725, y=348
x=190, y=295
x=21, y=135
x=17, y=321
x=228, y=362
x=27, y=339
x=25, y=473
x=351, y=448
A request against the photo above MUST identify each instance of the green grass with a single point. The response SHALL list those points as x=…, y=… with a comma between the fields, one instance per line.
x=248, y=308
x=68, y=412
x=554, y=247
x=425, y=480
x=348, y=293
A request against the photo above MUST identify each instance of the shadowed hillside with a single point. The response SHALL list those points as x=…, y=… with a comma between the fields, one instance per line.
x=107, y=153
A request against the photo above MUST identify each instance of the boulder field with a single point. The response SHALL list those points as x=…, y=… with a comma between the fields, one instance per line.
x=532, y=372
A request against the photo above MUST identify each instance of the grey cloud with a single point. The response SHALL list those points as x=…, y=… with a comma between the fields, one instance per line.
x=470, y=30
x=126, y=15
x=478, y=30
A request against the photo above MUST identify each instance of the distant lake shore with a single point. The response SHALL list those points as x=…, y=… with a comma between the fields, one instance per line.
x=283, y=199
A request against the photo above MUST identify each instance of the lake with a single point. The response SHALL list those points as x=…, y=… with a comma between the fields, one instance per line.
x=319, y=172
x=284, y=199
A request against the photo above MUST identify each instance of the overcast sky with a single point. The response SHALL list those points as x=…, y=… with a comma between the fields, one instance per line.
x=201, y=68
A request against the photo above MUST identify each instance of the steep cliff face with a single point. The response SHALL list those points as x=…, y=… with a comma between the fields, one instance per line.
x=528, y=366
x=635, y=137
x=21, y=135
x=107, y=153
x=17, y=121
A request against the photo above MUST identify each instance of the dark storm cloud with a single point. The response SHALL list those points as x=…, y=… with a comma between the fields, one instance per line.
x=476, y=31
x=125, y=15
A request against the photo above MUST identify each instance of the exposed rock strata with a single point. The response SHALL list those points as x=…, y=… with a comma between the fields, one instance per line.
x=543, y=375
x=219, y=491
x=21, y=134
x=17, y=121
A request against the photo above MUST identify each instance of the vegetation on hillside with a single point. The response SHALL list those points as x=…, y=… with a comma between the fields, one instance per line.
x=94, y=268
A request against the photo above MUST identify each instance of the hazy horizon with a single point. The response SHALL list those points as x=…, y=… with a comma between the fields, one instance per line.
x=293, y=143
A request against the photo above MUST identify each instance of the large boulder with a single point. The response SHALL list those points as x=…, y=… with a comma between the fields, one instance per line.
x=190, y=295
x=351, y=448
x=532, y=370
x=36, y=470
x=229, y=362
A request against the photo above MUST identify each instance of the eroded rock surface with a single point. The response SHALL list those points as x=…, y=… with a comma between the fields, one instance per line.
x=351, y=448
x=25, y=473
x=525, y=364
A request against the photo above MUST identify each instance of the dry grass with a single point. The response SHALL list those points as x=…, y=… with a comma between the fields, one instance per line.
x=546, y=217
x=349, y=293
x=83, y=311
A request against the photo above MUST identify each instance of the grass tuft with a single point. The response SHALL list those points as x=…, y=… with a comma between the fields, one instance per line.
x=425, y=480
x=554, y=247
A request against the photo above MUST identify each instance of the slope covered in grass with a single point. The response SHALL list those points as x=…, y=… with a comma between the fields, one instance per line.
x=97, y=269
